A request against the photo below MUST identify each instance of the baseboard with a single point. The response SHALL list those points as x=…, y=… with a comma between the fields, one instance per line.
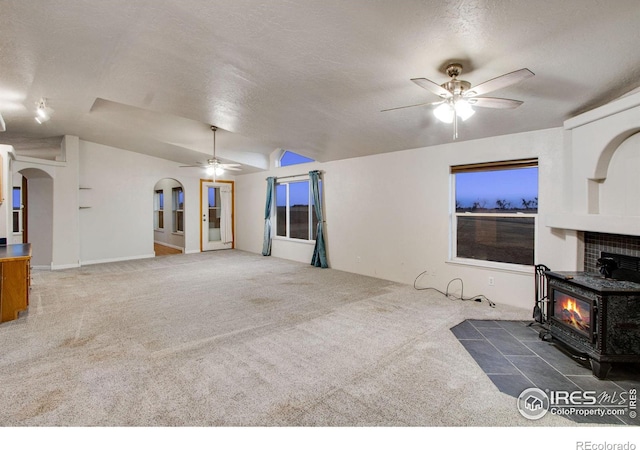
x=58, y=266
x=169, y=245
x=109, y=260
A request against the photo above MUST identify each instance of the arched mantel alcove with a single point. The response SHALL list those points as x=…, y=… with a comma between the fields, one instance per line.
x=602, y=164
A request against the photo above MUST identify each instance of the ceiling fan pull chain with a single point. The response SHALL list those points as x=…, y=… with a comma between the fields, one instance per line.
x=455, y=124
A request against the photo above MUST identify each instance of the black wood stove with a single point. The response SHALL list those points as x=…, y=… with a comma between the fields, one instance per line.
x=596, y=316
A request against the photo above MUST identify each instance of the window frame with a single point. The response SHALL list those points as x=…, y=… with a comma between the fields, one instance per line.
x=454, y=215
x=175, y=199
x=283, y=153
x=17, y=210
x=158, y=210
x=311, y=212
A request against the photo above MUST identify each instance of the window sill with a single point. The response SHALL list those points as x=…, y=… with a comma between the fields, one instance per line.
x=178, y=233
x=297, y=241
x=502, y=267
x=159, y=230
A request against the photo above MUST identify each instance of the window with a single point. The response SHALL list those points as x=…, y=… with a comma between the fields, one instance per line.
x=159, y=210
x=289, y=158
x=178, y=210
x=496, y=206
x=17, y=209
x=295, y=219
x=215, y=213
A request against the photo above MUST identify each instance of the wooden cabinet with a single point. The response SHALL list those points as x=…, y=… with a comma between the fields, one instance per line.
x=15, y=280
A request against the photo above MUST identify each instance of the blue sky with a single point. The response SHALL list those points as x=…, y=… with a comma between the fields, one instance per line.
x=511, y=185
x=298, y=194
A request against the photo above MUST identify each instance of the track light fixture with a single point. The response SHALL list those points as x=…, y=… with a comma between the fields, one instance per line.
x=43, y=112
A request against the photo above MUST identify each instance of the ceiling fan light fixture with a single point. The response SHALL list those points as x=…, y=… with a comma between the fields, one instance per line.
x=444, y=113
x=219, y=171
x=464, y=109
x=210, y=170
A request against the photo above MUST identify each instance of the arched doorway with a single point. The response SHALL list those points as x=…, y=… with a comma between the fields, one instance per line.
x=32, y=209
x=168, y=217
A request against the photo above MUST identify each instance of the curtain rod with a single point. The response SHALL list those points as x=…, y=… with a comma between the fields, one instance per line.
x=298, y=175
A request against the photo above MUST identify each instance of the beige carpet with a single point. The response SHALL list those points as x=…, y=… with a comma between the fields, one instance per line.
x=235, y=339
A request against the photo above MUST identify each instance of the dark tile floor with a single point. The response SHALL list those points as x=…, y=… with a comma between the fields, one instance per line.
x=514, y=357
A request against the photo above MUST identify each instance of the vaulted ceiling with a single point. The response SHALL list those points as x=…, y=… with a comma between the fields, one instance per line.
x=307, y=75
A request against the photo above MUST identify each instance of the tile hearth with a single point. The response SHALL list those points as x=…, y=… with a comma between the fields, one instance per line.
x=514, y=357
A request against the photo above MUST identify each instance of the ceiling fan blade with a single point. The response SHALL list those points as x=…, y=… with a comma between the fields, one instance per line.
x=195, y=165
x=431, y=86
x=491, y=102
x=231, y=168
x=499, y=82
x=411, y=106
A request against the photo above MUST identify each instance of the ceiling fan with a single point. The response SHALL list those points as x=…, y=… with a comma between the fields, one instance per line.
x=213, y=166
x=458, y=97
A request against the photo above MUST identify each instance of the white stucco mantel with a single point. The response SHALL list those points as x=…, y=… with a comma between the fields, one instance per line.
x=595, y=137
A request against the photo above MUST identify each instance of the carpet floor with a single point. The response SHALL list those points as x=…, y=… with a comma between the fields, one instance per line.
x=231, y=338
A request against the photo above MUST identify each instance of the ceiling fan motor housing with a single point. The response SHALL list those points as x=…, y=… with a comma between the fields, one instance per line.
x=456, y=87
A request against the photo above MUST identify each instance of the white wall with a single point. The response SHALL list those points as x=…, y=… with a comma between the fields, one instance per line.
x=40, y=220
x=119, y=224
x=387, y=215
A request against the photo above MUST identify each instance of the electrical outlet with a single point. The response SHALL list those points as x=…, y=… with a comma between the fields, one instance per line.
x=358, y=259
x=491, y=281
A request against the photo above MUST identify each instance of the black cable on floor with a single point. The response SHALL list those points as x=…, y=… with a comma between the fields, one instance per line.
x=477, y=298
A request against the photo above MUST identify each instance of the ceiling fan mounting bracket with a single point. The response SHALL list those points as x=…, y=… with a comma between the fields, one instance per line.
x=454, y=70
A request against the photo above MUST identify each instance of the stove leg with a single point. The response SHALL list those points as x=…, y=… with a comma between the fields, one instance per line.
x=600, y=369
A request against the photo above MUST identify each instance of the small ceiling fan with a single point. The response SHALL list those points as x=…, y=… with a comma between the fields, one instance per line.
x=213, y=166
x=458, y=97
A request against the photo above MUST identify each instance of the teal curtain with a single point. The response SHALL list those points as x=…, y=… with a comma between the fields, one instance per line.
x=266, y=243
x=319, y=258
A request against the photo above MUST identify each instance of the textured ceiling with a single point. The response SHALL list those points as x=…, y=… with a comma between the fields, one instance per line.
x=310, y=76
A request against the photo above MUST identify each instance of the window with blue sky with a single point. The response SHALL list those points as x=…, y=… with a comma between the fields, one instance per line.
x=514, y=189
x=496, y=205
x=290, y=158
x=295, y=215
